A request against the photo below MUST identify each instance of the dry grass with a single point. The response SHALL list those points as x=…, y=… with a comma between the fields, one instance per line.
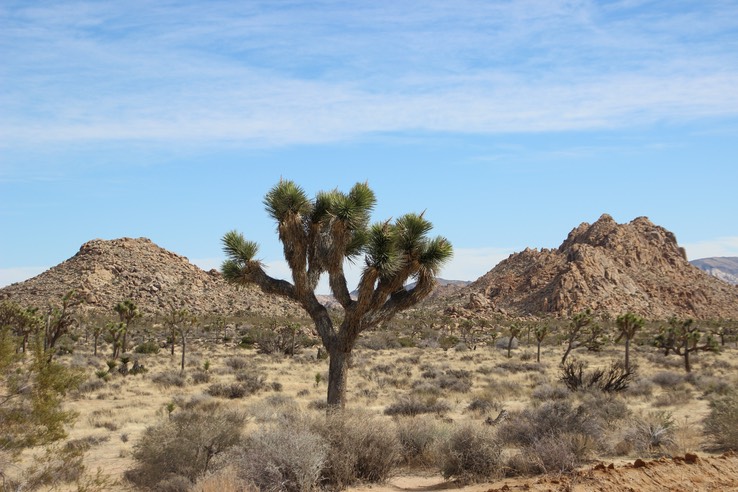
x=471, y=385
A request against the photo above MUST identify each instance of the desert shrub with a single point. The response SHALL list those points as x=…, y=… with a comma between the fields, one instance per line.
x=284, y=457
x=252, y=382
x=557, y=435
x=557, y=453
x=548, y=392
x=274, y=408
x=225, y=479
x=103, y=418
x=555, y=417
x=360, y=448
x=640, y=388
x=420, y=440
x=652, y=433
x=667, y=379
x=605, y=408
x=228, y=390
x=613, y=378
x=170, y=378
x=177, y=451
x=90, y=385
x=200, y=377
x=501, y=343
x=150, y=347
x=711, y=385
x=472, y=453
x=457, y=380
x=515, y=366
x=672, y=397
x=483, y=403
x=237, y=363
x=412, y=405
x=379, y=341
x=722, y=422
x=57, y=465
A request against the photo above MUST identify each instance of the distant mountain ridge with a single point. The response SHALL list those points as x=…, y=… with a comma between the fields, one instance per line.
x=606, y=267
x=723, y=267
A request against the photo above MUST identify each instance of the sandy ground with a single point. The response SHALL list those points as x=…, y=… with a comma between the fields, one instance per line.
x=689, y=473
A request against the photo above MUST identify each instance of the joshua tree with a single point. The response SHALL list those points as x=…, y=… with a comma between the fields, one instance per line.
x=540, y=332
x=318, y=235
x=515, y=331
x=127, y=313
x=574, y=331
x=22, y=322
x=60, y=320
x=682, y=337
x=628, y=324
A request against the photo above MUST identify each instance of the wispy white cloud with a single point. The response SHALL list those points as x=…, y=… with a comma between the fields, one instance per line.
x=721, y=246
x=87, y=72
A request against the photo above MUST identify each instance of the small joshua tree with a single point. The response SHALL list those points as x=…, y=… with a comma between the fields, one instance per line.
x=514, y=331
x=318, y=235
x=682, y=337
x=579, y=332
x=628, y=324
x=540, y=332
x=127, y=313
x=61, y=320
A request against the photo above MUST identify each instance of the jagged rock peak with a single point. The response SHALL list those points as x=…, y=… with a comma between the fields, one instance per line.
x=607, y=267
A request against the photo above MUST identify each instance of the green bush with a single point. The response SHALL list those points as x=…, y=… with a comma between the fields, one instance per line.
x=722, y=422
x=150, y=347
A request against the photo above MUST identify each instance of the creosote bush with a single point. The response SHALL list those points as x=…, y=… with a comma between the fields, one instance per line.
x=472, y=453
x=360, y=448
x=287, y=457
x=181, y=448
x=415, y=405
x=557, y=435
x=421, y=439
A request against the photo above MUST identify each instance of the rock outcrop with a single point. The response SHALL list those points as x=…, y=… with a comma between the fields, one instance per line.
x=106, y=272
x=609, y=268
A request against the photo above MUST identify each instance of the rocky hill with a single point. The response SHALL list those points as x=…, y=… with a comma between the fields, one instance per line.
x=106, y=272
x=725, y=268
x=607, y=267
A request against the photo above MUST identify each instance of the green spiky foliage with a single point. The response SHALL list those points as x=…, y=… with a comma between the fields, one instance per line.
x=628, y=325
x=318, y=236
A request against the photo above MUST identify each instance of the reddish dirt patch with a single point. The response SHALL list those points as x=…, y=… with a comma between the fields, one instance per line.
x=687, y=473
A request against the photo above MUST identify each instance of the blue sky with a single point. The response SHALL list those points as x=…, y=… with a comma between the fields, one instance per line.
x=509, y=122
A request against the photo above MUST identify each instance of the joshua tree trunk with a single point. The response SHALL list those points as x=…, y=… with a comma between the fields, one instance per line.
x=538, y=352
x=337, y=377
x=184, y=349
x=627, y=354
x=687, y=365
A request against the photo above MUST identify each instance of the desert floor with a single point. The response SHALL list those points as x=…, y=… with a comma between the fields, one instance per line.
x=114, y=411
